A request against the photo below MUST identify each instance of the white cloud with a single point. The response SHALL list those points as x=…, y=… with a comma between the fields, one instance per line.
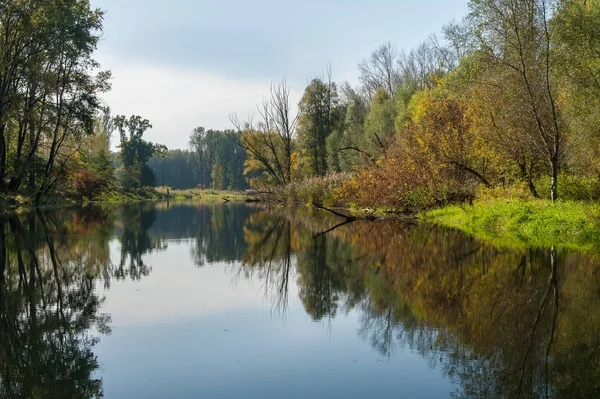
x=177, y=290
x=176, y=100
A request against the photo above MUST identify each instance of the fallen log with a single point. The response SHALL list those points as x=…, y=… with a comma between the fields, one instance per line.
x=347, y=217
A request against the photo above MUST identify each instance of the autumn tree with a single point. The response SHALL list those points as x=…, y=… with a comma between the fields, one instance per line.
x=381, y=70
x=516, y=37
x=49, y=88
x=502, y=130
x=577, y=42
x=440, y=128
x=269, y=143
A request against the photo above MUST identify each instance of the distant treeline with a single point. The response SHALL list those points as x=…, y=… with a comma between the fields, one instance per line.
x=213, y=161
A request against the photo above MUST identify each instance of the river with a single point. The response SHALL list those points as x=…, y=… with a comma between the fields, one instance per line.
x=211, y=300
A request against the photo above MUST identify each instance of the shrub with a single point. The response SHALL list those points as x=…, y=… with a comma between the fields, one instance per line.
x=322, y=189
x=88, y=184
x=400, y=181
x=518, y=190
x=575, y=188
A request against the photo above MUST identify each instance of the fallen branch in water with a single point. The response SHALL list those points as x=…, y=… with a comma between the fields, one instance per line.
x=348, y=221
x=347, y=217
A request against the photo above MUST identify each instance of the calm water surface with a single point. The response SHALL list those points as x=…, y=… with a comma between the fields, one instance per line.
x=197, y=300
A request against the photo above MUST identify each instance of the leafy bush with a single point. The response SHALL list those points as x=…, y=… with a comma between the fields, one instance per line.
x=518, y=190
x=88, y=184
x=400, y=181
x=573, y=188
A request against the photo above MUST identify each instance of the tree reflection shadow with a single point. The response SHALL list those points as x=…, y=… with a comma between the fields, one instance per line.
x=501, y=322
x=50, y=319
x=269, y=257
x=48, y=305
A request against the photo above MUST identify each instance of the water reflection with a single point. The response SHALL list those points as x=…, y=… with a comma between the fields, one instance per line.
x=48, y=306
x=134, y=221
x=499, y=322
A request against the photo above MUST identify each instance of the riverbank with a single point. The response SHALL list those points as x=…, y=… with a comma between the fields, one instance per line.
x=24, y=201
x=517, y=222
x=514, y=222
x=525, y=223
x=208, y=194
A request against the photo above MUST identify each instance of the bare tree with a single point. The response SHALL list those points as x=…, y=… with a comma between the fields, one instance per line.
x=381, y=70
x=270, y=141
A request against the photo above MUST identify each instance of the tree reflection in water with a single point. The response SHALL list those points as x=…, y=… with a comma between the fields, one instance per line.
x=50, y=317
x=501, y=322
x=48, y=305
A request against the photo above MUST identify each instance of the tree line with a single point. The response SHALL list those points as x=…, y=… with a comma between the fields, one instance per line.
x=213, y=160
x=54, y=130
x=508, y=97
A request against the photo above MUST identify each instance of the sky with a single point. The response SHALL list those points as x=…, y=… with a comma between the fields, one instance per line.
x=188, y=63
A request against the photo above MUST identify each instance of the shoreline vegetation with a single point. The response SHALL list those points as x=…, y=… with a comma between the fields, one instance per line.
x=24, y=201
x=491, y=128
x=524, y=224
x=516, y=221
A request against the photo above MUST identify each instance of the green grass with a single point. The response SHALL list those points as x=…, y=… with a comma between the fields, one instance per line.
x=526, y=223
x=208, y=194
x=140, y=194
x=14, y=202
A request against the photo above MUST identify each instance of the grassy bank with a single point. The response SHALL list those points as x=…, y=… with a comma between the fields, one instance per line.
x=208, y=194
x=526, y=223
x=23, y=201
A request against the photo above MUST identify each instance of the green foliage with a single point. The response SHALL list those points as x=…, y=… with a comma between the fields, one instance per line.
x=49, y=91
x=177, y=169
x=344, y=144
x=210, y=149
x=135, y=152
x=320, y=116
x=218, y=177
x=379, y=123
x=517, y=222
x=574, y=187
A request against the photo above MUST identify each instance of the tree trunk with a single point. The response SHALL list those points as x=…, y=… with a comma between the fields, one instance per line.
x=3, y=151
x=554, y=184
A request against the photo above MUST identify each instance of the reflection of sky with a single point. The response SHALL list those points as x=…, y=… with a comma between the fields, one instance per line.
x=176, y=290
x=184, y=63
x=185, y=332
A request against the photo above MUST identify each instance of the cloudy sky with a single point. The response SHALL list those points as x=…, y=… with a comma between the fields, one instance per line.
x=188, y=63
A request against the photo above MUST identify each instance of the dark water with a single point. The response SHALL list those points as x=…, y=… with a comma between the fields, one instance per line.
x=232, y=301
